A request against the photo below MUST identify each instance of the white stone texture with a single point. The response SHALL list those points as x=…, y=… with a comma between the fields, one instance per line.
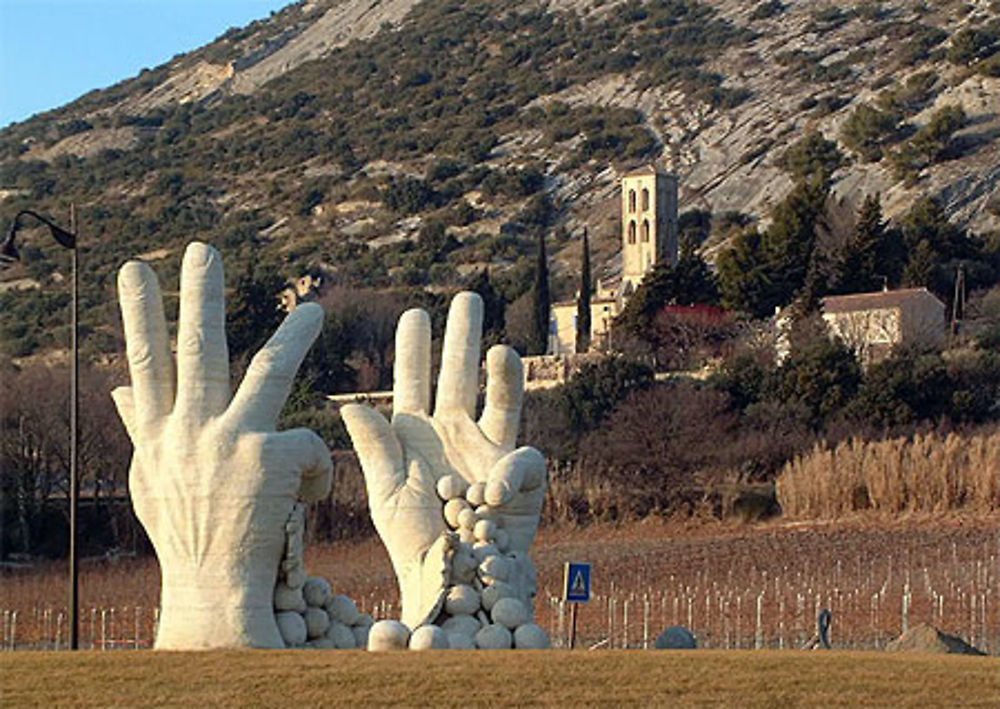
x=403, y=459
x=429, y=637
x=212, y=480
x=485, y=530
x=388, y=635
x=531, y=637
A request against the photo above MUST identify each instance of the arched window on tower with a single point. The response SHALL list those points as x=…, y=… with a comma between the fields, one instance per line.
x=645, y=230
x=631, y=232
x=631, y=200
x=645, y=199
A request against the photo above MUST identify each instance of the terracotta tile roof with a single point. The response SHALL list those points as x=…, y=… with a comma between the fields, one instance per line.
x=879, y=300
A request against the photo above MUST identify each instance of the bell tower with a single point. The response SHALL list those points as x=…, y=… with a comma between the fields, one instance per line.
x=649, y=223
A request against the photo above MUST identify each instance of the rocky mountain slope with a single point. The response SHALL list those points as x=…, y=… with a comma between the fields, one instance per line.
x=405, y=143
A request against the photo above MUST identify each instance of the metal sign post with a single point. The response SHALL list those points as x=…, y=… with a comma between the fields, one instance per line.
x=576, y=590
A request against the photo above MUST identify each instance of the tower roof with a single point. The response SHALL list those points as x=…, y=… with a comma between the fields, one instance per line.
x=647, y=169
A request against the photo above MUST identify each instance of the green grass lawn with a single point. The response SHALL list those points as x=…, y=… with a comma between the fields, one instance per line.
x=713, y=678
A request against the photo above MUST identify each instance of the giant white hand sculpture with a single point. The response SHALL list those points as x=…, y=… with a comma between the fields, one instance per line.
x=212, y=481
x=423, y=471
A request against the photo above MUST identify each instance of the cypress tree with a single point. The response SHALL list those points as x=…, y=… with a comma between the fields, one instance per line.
x=583, y=300
x=539, y=342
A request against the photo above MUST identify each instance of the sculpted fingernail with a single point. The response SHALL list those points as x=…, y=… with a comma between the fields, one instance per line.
x=130, y=277
x=198, y=254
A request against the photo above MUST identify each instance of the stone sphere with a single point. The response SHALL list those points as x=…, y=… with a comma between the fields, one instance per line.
x=463, y=566
x=451, y=486
x=452, y=509
x=531, y=637
x=485, y=530
x=360, y=633
x=476, y=494
x=466, y=536
x=495, y=567
x=487, y=512
x=323, y=643
x=388, y=635
x=461, y=600
x=462, y=624
x=461, y=641
x=502, y=540
x=317, y=591
x=494, y=637
x=429, y=637
x=481, y=550
x=343, y=609
x=292, y=627
x=317, y=622
x=287, y=598
x=467, y=518
x=676, y=637
x=364, y=620
x=494, y=592
x=342, y=636
x=510, y=613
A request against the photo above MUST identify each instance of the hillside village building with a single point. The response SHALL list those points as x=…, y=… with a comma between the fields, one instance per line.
x=872, y=324
x=649, y=236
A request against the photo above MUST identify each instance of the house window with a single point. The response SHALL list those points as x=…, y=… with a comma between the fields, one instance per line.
x=631, y=232
x=631, y=200
x=645, y=230
x=645, y=199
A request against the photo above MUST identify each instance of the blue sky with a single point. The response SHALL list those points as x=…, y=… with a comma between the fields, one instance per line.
x=53, y=51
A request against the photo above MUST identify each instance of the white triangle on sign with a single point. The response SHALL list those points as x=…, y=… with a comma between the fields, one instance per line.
x=579, y=585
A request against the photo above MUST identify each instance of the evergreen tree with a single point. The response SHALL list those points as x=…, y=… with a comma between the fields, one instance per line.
x=540, y=304
x=253, y=312
x=873, y=254
x=690, y=282
x=494, y=306
x=583, y=299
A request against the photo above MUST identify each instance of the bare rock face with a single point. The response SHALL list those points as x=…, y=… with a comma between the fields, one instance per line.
x=927, y=638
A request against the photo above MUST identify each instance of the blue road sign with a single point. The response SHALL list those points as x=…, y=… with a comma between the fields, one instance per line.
x=576, y=582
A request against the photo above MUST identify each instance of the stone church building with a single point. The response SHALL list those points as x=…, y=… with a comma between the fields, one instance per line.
x=649, y=236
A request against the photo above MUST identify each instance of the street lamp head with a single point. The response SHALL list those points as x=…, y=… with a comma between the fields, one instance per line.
x=8, y=250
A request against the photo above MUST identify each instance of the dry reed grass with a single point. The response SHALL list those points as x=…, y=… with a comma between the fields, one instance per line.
x=929, y=473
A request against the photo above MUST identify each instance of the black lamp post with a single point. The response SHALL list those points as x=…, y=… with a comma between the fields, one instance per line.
x=8, y=254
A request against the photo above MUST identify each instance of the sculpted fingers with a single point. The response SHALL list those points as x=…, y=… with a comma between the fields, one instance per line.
x=378, y=450
x=524, y=470
x=202, y=354
x=147, y=345
x=122, y=396
x=269, y=377
x=411, y=377
x=458, y=383
x=504, y=396
x=308, y=457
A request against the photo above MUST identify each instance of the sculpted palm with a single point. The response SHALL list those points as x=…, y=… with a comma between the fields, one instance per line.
x=212, y=480
x=403, y=459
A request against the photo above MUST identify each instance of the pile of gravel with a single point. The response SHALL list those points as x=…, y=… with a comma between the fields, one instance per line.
x=927, y=638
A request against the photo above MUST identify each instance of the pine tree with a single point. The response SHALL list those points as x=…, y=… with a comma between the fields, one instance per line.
x=539, y=342
x=253, y=308
x=583, y=300
x=873, y=254
x=494, y=306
